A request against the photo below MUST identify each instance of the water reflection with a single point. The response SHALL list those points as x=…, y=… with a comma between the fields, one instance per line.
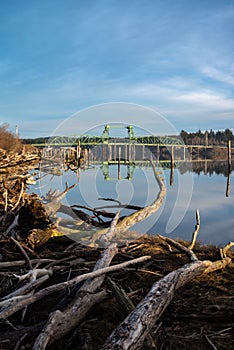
x=131, y=184
x=216, y=210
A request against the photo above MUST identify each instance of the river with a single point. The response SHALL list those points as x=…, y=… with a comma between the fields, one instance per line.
x=198, y=185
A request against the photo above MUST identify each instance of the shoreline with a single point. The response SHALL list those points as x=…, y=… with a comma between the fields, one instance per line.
x=201, y=311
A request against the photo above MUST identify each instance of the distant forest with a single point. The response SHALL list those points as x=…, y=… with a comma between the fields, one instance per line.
x=207, y=138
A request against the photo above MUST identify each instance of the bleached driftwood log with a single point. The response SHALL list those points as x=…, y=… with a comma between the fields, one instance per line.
x=62, y=322
x=133, y=330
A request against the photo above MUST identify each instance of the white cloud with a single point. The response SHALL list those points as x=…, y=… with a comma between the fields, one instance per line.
x=207, y=100
x=219, y=75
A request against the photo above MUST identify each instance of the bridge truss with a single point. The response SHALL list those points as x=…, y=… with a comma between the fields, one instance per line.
x=86, y=140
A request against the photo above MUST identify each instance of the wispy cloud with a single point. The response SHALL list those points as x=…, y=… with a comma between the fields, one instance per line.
x=208, y=100
x=220, y=75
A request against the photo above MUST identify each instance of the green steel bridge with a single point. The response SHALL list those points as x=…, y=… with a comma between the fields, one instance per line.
x=105, y=139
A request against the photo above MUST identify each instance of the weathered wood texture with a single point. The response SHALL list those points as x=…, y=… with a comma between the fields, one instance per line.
x=131, y=333
x=62, y=322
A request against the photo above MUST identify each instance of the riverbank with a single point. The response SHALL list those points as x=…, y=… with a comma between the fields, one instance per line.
x=201, y=312
x=200, y=316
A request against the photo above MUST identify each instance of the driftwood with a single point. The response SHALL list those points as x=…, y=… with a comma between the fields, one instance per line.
x=26, y=277
x=9, y=160
x=161, y=292
x=62, y=322
x=13, y=187
x=61, y=286
x=134, y=329
x=127, y=306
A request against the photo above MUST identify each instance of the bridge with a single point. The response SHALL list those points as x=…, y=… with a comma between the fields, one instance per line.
x=105, y=138
x=131, y=147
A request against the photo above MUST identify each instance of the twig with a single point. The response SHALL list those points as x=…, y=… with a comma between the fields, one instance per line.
x=210, y=342
x=6, y=200
x=195, y=233
x=13, y=225
x=126, y=304
x=6, y=264
x=191, y=255
x=24, y=290
x=23, y=252
x=20, y=196
x=223, y=251
x=19, y=342
x=110, y=200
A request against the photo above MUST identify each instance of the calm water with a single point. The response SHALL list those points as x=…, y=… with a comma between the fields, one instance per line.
x=197, y=185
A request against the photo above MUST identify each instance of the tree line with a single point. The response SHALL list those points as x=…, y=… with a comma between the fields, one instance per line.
x=207, y=138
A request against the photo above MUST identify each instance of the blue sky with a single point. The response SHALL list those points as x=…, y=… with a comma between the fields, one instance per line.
x=59, y=57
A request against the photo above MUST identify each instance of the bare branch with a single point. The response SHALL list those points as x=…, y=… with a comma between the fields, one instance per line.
x=57, y=287
x=195, y=233
x=191, y=255
x=23, y=252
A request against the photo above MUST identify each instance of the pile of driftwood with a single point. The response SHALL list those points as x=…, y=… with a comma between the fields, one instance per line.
x=61, y=294
x=12, y=159
x=19, y=211
x=69, y=296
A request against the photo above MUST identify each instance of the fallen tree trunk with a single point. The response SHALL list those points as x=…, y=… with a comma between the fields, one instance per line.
x=132, y=331
x=62, y=322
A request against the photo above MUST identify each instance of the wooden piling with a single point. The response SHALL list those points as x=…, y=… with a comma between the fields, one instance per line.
x=229, y=148
x=172, y=167
x=229, y=153
x=78, y=150
x=119, y=170
x=109, y=152
x=228, y=187
x=126, y=152
x=134, y=152
x=143, y=152
x=158, y=153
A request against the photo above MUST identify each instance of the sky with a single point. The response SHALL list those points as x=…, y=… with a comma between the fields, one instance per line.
x=175, y=57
